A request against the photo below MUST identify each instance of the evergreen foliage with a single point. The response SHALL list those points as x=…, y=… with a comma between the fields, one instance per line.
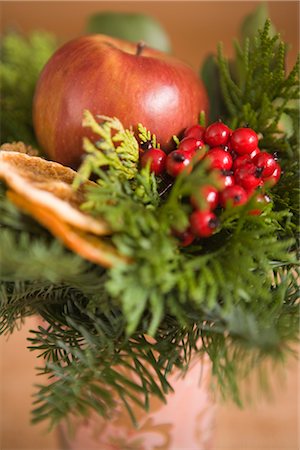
x=116, y=335
x=256, y=91
x=115, y=147
x=260, y=94
x=22, y=60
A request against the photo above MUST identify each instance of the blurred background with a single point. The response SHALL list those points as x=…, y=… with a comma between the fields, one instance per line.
x=194, y=29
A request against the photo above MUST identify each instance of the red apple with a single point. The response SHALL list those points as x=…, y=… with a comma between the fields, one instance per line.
x=107, y=76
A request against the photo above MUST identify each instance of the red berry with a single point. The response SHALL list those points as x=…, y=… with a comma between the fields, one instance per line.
x=217, y=134
x=145, y=145
x=195, y=131
x=185, y=237
x=240, y=161
x=190, y=144
x=203, y=223
x=254, y=153
x=248, y=176
x=274, y=178
x=250, y=155
x=219, y=158
x=226, y=179
x=228, y=147
x=266, y=162
x=157, y=158
x=244, y=140
x=209, y=198
x=177, y=161
x=260, y=201
x=233, y=196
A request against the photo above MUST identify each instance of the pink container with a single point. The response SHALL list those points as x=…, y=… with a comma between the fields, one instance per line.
x=186, y=422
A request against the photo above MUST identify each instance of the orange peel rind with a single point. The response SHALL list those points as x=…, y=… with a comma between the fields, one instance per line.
x=49, y=184
x=20, y=147
x=43, y=189
x=88, y=246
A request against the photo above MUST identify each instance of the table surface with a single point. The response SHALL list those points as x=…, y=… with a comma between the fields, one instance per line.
x=269, y=424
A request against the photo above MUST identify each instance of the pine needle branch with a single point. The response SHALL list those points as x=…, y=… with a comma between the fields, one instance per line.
x=22, y=59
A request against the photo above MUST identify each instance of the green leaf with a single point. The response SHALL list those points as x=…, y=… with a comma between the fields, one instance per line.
x=255, y=21
x=134, y=27
x=211, y=78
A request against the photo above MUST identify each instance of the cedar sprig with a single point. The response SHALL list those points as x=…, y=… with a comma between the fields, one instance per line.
x=252, y=91
x=146, y=137
x=257, y=91
x=114, y=147
x=123, y=194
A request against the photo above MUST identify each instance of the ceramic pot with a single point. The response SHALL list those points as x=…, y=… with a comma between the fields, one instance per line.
x=185, y=422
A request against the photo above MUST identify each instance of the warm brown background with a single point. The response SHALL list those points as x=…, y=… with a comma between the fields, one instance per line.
x=195, y=28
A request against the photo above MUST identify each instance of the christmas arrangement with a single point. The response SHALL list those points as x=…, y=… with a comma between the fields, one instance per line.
x=145, y=244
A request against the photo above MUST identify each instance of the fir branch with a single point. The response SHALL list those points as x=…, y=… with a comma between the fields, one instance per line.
x=233, y=354
x=22, y=60
x=37, y=269
x=19, y=248
x=73, y=329
x=21, y=299
x=108, y=363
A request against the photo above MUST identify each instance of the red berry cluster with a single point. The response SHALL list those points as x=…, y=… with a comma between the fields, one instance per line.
x=243, y=168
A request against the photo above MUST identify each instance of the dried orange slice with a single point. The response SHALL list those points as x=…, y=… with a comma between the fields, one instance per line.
x=19, y=147
x=88, y=246
x=49, y=184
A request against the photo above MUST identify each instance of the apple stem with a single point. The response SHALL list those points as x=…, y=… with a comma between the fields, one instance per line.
x=140, y=47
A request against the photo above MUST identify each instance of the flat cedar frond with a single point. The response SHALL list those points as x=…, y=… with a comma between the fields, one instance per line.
x=146, y=137
x=118, y=198
x=116, y=148
x=251, y=91
x=268, y=103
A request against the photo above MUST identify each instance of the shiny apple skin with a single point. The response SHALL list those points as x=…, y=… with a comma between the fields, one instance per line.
x=107, y=77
